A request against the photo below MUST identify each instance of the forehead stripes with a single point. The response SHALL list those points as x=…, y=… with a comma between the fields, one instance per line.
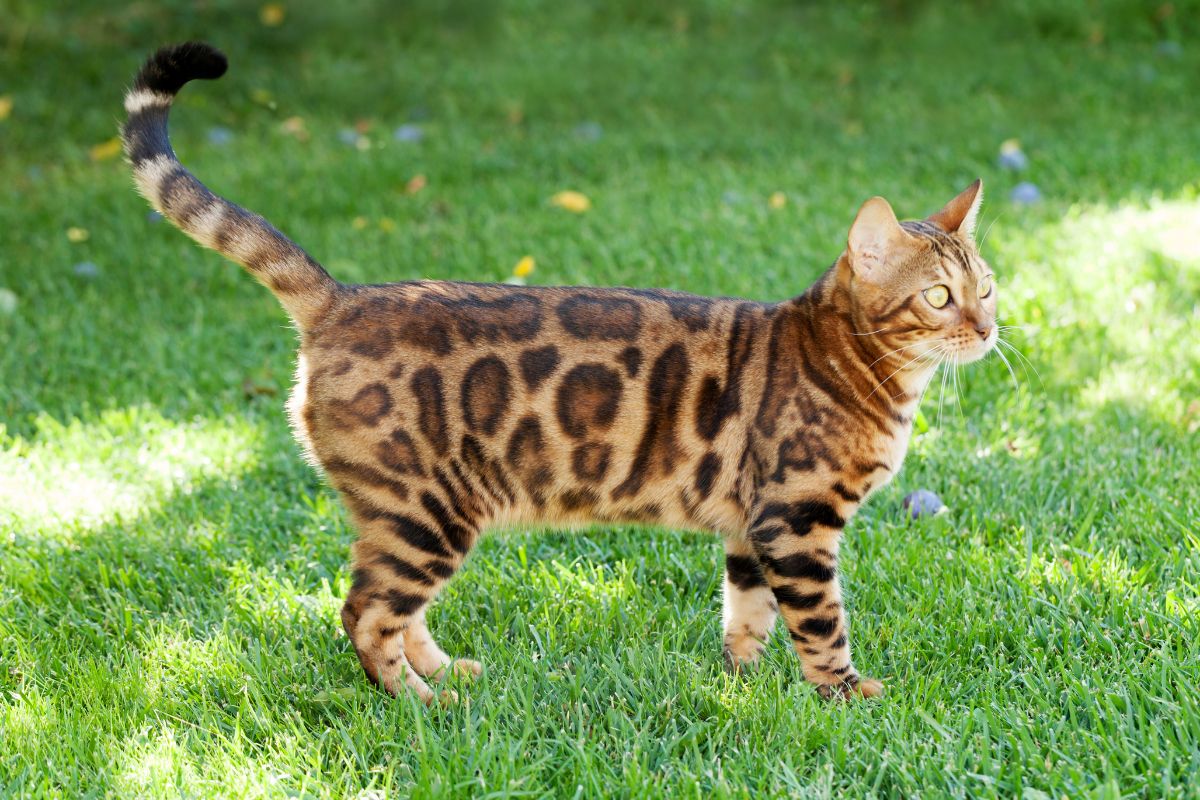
x=949, y=249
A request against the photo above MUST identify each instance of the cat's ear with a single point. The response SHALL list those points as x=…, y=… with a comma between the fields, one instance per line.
x=876, y=238
x=961, y=213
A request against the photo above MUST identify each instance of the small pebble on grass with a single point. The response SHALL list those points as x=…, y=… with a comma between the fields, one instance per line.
x=922, y=503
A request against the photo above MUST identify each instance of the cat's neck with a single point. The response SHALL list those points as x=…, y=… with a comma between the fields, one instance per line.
x=880, y=377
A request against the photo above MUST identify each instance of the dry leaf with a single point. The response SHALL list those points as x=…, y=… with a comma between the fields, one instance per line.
x=272, y=14
x=295, y=127
x=415, y=184
x=106, y=150
x=524, y=267
x=575, y=202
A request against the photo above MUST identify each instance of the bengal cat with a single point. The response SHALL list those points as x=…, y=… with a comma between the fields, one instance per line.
x=439, y=410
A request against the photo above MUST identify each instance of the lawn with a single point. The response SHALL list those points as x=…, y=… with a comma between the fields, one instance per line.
x=171, y=570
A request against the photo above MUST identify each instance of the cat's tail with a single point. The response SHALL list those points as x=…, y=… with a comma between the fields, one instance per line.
x=303, y=287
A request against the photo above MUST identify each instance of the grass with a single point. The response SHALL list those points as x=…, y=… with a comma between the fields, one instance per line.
x=170, y=568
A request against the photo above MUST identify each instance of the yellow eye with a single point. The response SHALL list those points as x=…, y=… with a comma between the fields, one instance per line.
x=985, y=287
x=937, y=296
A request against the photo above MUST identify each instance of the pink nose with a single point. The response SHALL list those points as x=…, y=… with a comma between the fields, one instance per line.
x=983, y=330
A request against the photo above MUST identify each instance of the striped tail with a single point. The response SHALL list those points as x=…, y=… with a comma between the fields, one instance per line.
x=303, y=287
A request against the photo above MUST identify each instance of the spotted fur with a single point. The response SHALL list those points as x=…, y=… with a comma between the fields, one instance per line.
x=439, y=410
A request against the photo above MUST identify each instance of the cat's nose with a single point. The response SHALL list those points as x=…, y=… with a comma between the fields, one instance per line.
x=983, y=330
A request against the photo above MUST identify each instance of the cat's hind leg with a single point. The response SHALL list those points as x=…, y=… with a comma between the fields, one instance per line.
x=401, y=562
x=749, y=610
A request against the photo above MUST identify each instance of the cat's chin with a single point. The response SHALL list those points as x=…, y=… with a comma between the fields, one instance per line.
x=972, y=354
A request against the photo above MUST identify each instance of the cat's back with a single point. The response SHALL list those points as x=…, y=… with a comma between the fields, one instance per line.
x=572, y=401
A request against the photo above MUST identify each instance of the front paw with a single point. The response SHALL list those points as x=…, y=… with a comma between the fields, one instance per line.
x=851, y=688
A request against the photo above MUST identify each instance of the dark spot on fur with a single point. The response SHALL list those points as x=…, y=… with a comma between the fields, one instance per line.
x=399, y=453
x=539, y=364
x=588, y=399
x=694, y=312
x=368, y=406
x=596, y=316
x=589, y=462
x=631, y=358
x=431, y=408
x=486, y=393
x=527, y=459
x=513, y=318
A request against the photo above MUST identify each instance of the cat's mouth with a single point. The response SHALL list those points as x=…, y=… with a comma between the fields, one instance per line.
x=967, y=350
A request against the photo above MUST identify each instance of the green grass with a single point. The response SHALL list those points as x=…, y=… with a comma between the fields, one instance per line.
x=170, y=569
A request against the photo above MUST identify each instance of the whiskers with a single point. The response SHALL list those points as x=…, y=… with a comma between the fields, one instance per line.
x=939, y=346
x=1003, y=345
x=1007, y=353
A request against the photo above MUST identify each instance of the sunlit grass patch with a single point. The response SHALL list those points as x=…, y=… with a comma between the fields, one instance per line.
x=124, y=462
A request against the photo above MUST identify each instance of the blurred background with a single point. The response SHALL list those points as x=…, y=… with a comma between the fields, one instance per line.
x=171, y=568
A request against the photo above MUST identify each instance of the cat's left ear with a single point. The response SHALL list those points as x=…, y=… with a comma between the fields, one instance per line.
x=961, y=213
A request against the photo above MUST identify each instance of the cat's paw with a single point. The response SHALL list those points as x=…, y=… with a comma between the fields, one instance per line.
x=851, y=688
x=467, y=668
x=742, y=652
x=461, y=667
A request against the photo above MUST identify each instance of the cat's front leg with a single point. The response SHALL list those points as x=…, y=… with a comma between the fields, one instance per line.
x=749, y=608
x=797, y=544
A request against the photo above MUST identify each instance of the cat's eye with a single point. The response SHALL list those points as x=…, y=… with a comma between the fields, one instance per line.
x=985, y=287
x=937, y=296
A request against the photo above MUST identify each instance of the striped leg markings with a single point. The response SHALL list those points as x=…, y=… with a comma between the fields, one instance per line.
x=749, y=608
x=403, y=558
x=797, y=545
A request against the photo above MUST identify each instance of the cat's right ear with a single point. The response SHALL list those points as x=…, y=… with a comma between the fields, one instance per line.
x=876, y=239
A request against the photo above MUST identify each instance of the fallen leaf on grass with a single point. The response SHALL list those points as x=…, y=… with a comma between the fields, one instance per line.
x=415, y=184
x=575, y=202
x=105, y=150
x=525, y=266
x=272, y=14
x=294, y=126
x=520, y=271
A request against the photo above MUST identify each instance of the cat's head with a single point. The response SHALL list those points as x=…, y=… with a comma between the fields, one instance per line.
x=922, y=285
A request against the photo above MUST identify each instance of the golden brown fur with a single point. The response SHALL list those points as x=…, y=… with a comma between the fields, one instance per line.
x=439, y=410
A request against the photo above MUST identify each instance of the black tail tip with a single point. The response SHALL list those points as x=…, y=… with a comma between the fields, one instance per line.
x=171, y=67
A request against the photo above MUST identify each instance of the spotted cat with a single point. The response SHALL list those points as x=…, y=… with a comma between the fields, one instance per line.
x=439, y=410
